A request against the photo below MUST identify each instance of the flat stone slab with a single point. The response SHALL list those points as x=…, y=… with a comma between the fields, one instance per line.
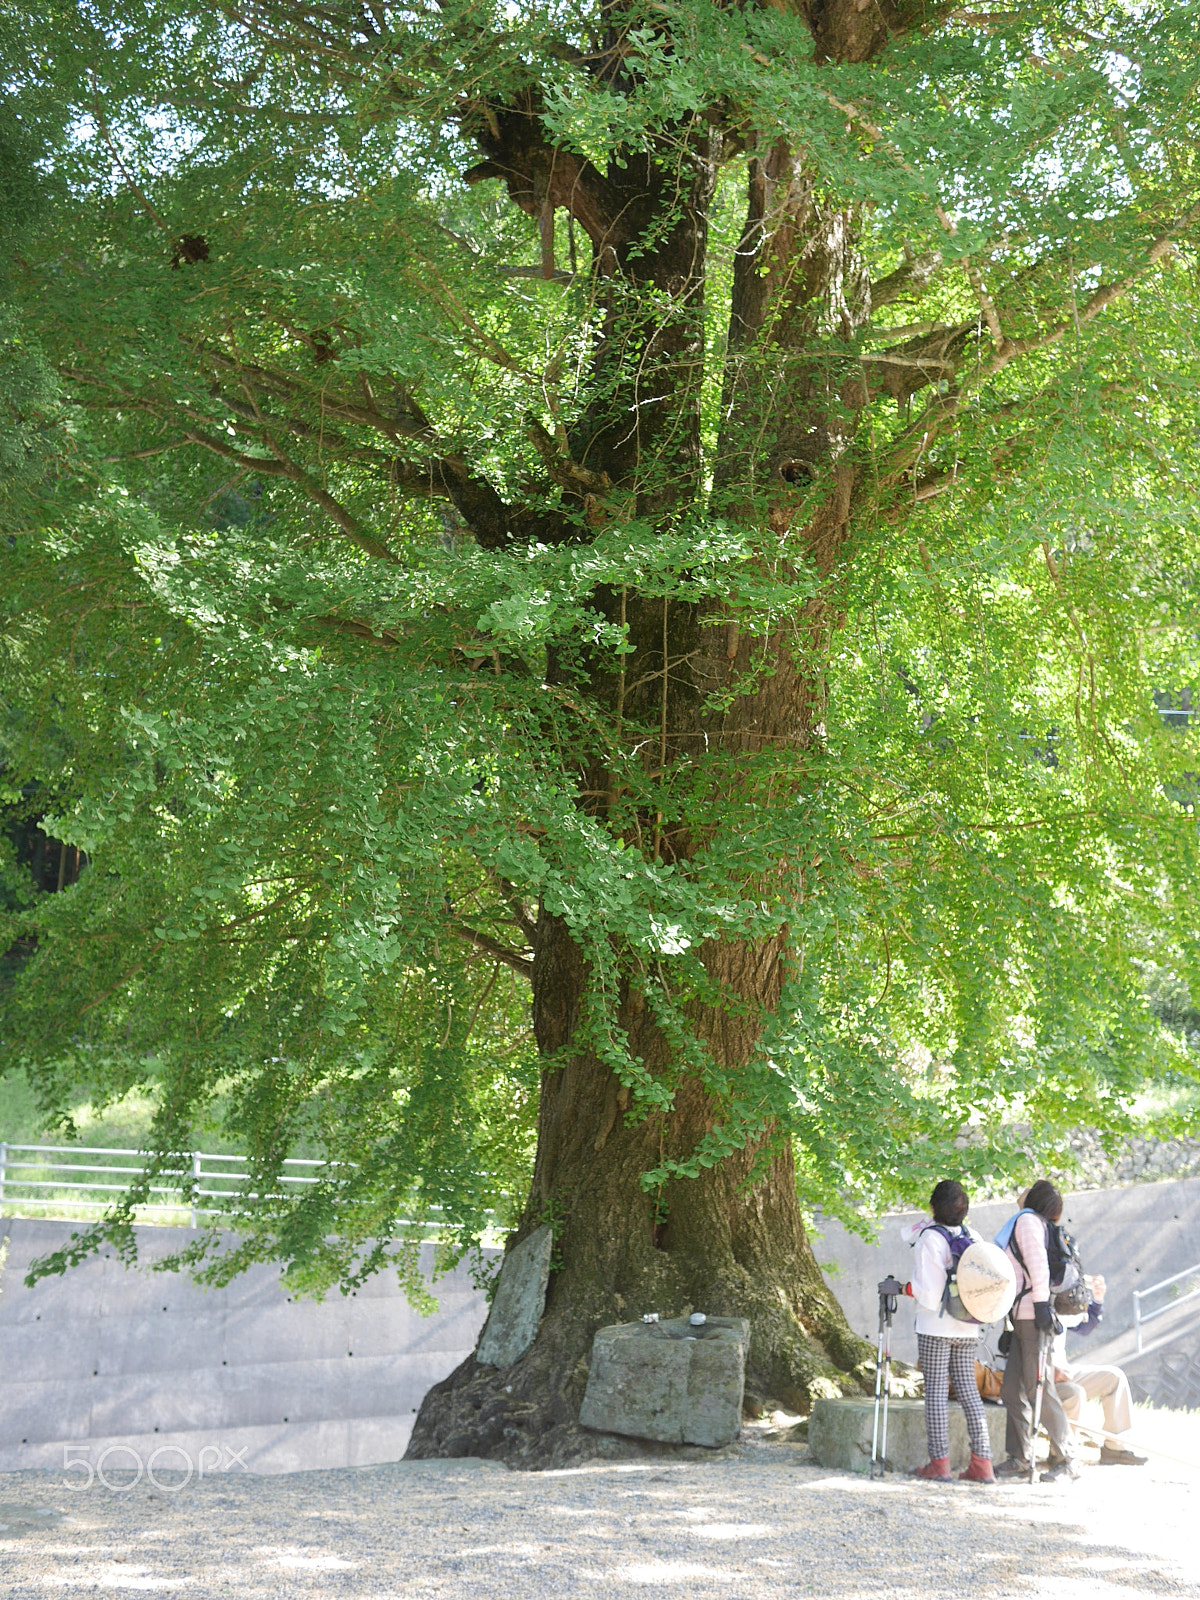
x=668, y=1380
x=512, y=1323
x=17, y=1518
x=839, y=1435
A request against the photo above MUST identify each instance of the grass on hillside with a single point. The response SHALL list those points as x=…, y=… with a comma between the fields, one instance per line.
x=1171, y=1100
x=124, y=1125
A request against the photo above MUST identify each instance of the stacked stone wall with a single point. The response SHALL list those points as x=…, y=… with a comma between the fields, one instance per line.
x=1139, y=1161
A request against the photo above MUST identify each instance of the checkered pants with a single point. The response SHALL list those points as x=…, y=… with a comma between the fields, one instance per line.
x=941, y=1360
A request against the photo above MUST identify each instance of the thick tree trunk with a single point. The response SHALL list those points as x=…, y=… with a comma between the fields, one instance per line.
x=719, y=1242
x=707, y=1244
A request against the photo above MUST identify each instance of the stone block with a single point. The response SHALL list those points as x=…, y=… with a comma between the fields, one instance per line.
x=132, y=1403
x=382, y=1327
x=512, y=1324
x=161, y=1343
x=668, y=1380
x=395, y=1385
x=77, y=1295
x=371, y=1440
x=139, y=1291
x=93, y=1361
x=839, y=1435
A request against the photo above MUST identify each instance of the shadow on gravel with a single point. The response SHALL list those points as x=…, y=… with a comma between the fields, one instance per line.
x=767, y=1529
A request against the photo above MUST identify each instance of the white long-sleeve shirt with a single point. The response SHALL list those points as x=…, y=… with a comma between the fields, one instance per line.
x=931, y=1262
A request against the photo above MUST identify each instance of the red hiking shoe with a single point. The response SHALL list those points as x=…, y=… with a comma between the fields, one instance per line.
x=980, y=1471
x=937, y=1471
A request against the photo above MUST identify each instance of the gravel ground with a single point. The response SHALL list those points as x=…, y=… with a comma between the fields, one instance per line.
x=759, y=1523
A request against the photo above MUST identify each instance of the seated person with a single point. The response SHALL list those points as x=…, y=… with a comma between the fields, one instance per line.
x=1109, y=1385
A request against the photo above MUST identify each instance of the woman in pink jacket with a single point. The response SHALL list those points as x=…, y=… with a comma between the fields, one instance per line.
x=1034, y=1325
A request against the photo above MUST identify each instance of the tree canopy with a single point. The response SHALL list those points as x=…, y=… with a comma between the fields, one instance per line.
x=689, y=506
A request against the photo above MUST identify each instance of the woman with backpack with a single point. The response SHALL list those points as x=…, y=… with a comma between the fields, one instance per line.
x=1025, y=1239
x=945, y=1345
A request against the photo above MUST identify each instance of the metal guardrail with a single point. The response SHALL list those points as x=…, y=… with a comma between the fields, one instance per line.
x=1140, y=1317
x=68, y=1185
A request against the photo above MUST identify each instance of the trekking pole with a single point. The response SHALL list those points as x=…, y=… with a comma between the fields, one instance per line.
x=889, y=1291
x=1044, y=1342
x=878, y=1391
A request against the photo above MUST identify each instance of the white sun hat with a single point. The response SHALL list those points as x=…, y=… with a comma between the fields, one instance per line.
x=987, y=1284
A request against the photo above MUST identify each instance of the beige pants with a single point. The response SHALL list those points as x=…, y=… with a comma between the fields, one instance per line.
x=1109, y=1385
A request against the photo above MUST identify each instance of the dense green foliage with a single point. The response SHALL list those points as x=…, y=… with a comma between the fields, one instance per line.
x=295, y=706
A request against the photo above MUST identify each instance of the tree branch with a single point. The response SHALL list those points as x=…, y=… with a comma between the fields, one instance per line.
x=514, y=902
x=903, y=369
x=557, y=458
x=538, y=174
x=910, y=279
x=284, y=467
x=492, y=947
x=986, y=305
x=398, y=429
x=1164, y=245
x=913, y=446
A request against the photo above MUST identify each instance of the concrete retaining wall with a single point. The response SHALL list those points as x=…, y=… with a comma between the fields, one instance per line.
x=130, y=1363
x=134, y=1362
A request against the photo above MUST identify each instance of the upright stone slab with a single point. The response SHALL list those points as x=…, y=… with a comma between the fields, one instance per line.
x=668, y=1380
x=839, y=1435
x=512, y=1324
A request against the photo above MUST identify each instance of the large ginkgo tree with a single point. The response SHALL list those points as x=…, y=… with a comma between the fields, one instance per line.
x=677, y=515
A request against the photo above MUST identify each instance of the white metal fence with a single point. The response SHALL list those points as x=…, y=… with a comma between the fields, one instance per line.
x=1141, y=1318
x=65, y=1180
x=57, y=1179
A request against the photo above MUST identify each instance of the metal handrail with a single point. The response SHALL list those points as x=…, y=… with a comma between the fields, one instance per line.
x=103, y=1188
x=79, y=1166
x=197, y=1169
x=1140, y=1317
x=98, y=1150
x=84, y=1149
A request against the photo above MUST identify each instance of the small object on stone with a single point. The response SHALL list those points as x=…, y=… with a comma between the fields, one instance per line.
x=649, y=1316
x=697, y=1319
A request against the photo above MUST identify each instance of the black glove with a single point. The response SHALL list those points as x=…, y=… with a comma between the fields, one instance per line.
x=1044, y=1319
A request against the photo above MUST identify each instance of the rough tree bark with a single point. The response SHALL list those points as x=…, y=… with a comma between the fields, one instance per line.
x=792, y=398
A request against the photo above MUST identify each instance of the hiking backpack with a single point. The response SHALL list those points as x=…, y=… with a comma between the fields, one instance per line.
x=1069, y=1293
x=951, y=1299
